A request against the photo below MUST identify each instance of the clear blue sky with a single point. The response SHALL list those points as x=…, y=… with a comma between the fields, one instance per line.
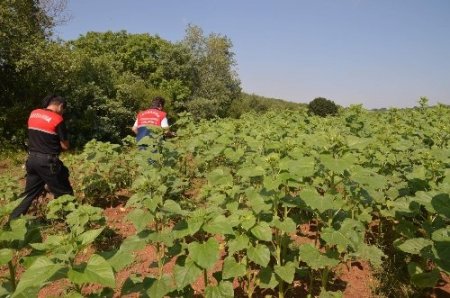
x=380, y=53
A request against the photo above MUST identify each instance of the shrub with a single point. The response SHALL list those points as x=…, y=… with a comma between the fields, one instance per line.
x=101, y=170
x=322, y=107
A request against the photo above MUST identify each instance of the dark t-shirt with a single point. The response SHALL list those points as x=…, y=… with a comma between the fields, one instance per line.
x=45, y=131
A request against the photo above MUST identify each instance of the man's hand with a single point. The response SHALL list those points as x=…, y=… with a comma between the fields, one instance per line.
x=64, y=145
x=170, y=134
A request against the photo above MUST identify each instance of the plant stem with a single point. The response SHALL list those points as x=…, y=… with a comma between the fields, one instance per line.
x=205, y=277
x=325, y=277
x=281, y=290
x=249, y=279
x=12, y=273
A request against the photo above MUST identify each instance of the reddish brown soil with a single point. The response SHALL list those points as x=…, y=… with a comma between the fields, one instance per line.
x=358, y=279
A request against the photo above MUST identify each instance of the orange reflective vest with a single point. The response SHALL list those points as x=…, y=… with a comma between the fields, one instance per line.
x=44, y=120
x=152, y=117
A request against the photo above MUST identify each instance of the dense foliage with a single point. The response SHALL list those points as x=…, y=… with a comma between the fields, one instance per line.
x=107, y=77
x=230, y=196
x=260, y=104
x=321, y=106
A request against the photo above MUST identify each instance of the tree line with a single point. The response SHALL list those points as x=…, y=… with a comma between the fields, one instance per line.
x=107, y=77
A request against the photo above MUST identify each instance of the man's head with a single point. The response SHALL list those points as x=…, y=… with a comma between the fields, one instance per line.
x=55, y=103
x=158, y=103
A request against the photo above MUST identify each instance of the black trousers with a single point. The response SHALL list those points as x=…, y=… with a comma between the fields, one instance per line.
x=43, y=169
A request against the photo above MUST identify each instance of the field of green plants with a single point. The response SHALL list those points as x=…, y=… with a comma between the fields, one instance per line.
x=251, y=207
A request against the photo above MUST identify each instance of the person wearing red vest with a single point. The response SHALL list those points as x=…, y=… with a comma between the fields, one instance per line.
x=155, y=116
x=47, y=137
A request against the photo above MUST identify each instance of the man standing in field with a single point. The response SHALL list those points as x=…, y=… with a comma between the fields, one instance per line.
x=47, y=137
x=155, y=116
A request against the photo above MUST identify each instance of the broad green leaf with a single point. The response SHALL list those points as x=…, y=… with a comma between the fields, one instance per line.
x=350, y=234
x=132, y=243
x=152, y=203
x=219, y=225
x=259, y=254
x=53, y=242
x=262, y=231
x=368, y=177
x=172, y=207
x=220, y=177
x=328, y=294
x=315, y=201
x=165, y=236
x=441, y=252
x=372, y=254
x=204, y=254
x=248, y=221
x=300, y=168
x=399, y=205
x=424, y=198
x=223, y=290
x=233, y=155
x=239, y=243
x=441, y=235
x=271, y=183
x=315, y=259
x=337, y=165
x=247, y=172
x=415, y=245
x=6, y=255
x=186, y=274
x=267, y=278
x=140, y=218
x=232, y=269
x=441, y=203
x=256, y=201
x=423, y=279
x=287, y=226
x=189, y=226
x=160, y=287
x=354, y=142
x=97, y=270
x=120, y=259
x=89, y=236
x=286, y=272
x=418, y=172
x=36, y=276
x=18, y=230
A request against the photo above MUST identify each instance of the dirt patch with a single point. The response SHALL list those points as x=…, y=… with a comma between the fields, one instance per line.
x=358, y=279
x=116, y=220
x=443, y=288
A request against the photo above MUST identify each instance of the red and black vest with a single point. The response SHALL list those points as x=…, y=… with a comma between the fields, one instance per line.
x=150, y=117
x=45, y=131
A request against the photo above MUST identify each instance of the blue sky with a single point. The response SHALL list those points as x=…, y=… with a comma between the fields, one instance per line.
x=379, y=53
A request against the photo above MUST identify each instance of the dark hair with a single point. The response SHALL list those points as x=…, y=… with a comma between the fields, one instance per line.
x=158, y=101
x=53, y=99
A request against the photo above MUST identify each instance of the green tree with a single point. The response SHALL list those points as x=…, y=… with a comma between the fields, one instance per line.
x=216, y=84
x=321, y=106
x=25, y=31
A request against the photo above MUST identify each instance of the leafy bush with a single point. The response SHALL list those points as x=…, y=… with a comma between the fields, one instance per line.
x=321, y=106
x=103, y=169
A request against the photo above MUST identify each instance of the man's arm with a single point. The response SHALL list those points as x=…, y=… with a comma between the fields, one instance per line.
x=134, y=128
x=63, y=136
x=166, y=127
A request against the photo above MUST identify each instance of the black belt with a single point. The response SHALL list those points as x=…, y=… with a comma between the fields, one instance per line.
x=43, y=155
